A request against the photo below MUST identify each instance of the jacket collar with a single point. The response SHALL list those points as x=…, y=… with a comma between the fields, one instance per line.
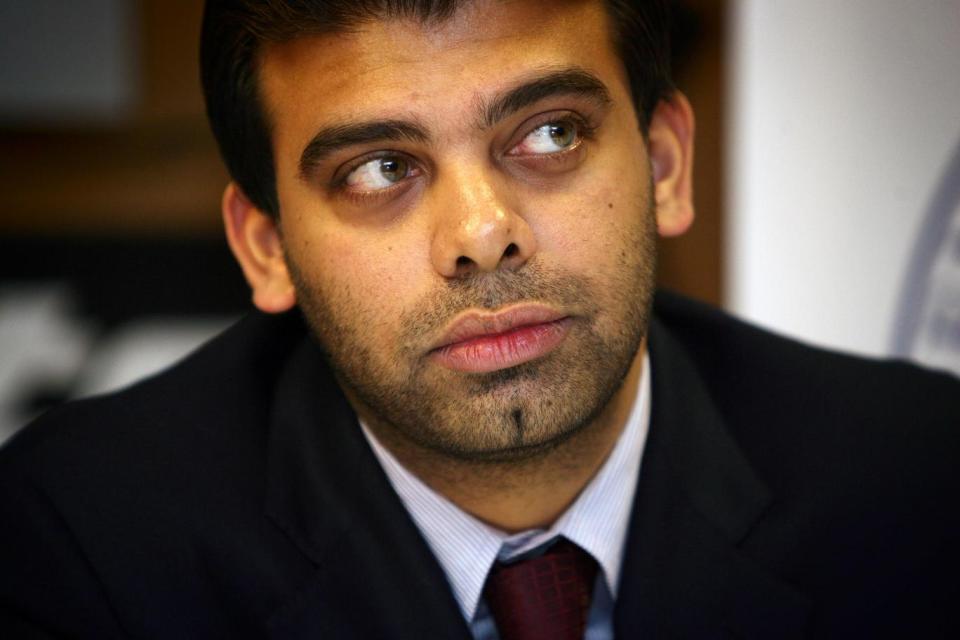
x=698, y=498
x=375, y=576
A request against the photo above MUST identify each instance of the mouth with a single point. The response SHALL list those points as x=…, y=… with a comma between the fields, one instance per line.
x=479, y=342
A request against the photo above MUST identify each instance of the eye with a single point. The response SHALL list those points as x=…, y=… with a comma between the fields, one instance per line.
x=379, y=173
x=552, y=137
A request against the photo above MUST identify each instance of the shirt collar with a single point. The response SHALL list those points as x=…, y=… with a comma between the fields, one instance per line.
x=597, y=521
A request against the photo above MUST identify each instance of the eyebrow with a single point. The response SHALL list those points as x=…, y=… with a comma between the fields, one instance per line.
x=569, y=81
x=331, y=139
x=572, y=81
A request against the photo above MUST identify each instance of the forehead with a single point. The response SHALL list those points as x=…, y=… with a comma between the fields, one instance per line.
x=397, y=67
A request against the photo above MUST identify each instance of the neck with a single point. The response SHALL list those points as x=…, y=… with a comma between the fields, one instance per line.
x=520, y=494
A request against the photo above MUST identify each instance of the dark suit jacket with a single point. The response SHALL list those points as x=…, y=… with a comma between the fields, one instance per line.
x=785, y=492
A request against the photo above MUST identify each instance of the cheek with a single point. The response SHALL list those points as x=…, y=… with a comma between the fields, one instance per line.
x=372, y=280
x=588, y=230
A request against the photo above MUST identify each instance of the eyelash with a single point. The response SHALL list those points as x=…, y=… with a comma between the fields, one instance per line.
x=585, y=131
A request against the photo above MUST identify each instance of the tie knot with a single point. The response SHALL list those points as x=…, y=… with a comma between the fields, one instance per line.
x=544, y=597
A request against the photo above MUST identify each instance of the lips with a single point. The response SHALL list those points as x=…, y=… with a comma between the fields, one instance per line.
x=482, y=342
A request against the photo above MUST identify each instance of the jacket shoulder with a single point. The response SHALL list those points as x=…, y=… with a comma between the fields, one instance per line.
x=155, y=470
x=735, y=357
x=795, y=408
x=222, y=382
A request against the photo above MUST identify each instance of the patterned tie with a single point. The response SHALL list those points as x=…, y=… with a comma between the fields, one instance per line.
x=543, y=598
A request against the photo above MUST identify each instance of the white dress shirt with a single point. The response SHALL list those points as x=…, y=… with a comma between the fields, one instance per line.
x=597, y=521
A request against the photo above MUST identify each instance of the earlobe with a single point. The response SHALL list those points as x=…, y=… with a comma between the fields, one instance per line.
x=255, y=241
x=670, y=145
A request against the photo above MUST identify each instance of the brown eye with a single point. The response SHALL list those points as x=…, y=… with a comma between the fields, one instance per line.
x=393, y=169
x=379, y=173
x=552, y=137
x=563, y=135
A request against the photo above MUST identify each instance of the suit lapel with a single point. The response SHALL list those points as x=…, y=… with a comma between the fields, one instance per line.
x=697, y=499
x=374, y=576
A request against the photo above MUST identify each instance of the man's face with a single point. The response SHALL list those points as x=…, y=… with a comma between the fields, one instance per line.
x=466, y=217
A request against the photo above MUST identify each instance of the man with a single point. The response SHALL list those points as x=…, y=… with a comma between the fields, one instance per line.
x=477, y=429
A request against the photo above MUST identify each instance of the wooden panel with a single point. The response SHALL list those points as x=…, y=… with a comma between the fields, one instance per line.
x=692, y=263
x=170, y=83
x=159, y=179
x=156, y=172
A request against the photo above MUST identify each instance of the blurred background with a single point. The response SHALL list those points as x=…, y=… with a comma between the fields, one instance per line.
x=827, y=184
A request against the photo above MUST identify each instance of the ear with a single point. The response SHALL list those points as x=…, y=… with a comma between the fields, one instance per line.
x=255, y=242
x=670, y=145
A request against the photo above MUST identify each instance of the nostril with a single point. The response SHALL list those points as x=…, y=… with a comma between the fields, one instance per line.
x=511, y=250
x=463, y=261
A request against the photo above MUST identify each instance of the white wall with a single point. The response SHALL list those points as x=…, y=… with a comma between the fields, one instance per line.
x=844, y=116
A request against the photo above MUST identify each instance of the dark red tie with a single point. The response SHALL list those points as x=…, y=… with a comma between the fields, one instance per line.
x=543, y=598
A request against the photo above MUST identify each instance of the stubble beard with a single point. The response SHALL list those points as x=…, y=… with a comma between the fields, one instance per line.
x=507, y=415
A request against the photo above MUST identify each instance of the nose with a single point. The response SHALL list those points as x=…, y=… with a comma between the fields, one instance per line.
x=477, y=230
